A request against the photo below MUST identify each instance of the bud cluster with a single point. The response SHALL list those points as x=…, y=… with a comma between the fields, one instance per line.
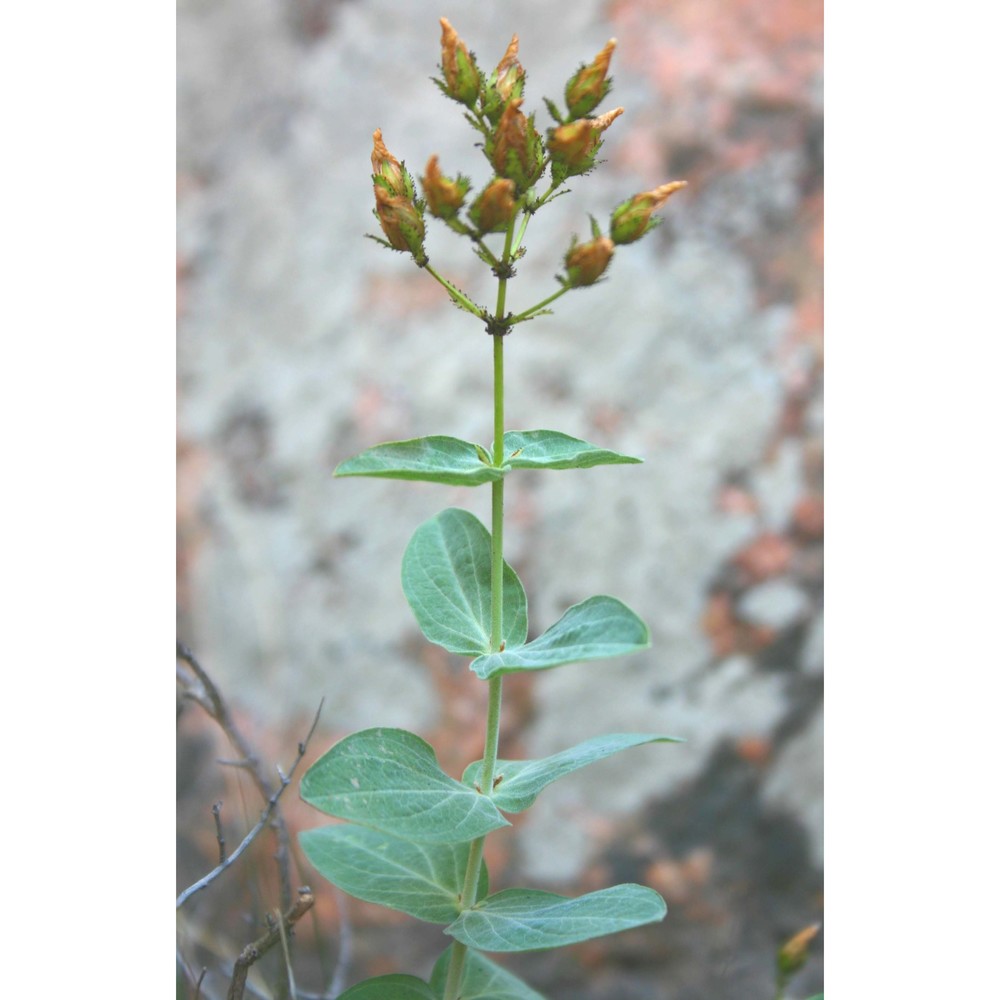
x=518, y=156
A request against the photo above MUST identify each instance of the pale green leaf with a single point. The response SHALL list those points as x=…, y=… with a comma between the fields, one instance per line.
x=518, y=782
x=554, y=450
x=389, y=779
x=435, y=459
x=592, y=630
x=390, y=988
x=482, y=980
x=446, y=579
x=423, y=880
x=529, y=919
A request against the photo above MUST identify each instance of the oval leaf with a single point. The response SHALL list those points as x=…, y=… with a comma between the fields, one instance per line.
x=446, y=579
x=389, y=779
x=529, y=919
x=554, y=450
x=482, y=980
x=518, y=782
x=592, y=630
x=435, y=459
x=390, y=988
x=423, y=880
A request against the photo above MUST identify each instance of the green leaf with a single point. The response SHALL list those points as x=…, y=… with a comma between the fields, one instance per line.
x=482, y=980
x=423, y=880
x=592, y=630
x=553, y=450
x=390, y=988
x=519, y=782
x=446, y=579
x=819, y=996
x=529, y=919
x=436, y=459
x=389, y=779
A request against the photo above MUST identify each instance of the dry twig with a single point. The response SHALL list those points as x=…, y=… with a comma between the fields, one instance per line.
x=275, y=933
x=212, y=702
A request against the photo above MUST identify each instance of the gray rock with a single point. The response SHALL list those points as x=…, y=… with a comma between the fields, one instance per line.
x=775, y=603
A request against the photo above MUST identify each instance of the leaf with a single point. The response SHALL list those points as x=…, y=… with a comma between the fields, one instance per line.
x=423, y=880
x=436, y=459
x=592, y=630
x=390, y=988
x=482, y=980
x=529, y=919
x=389, y=779
x=446, y=579
x=519, y=782
x=554, y=450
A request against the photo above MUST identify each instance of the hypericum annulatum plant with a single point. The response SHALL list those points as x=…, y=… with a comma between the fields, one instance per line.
x=414, y=837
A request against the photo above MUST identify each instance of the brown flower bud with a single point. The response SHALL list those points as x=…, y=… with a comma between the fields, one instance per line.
x=793, y=953
x=401, y=222
x=509, y=74
x=586, y=262
x=589, y=85
x=444, y=195
x=461, y=75
x=386, y=169
x=574, y=146
x=495, y=208
x=515, y=148
x=632, y=219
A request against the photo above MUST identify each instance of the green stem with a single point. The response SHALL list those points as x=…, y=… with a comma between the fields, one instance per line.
x=456, y=293
x=528, y=313
x=469, y=889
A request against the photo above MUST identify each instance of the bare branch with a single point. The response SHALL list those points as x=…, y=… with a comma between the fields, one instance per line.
x=217, y=813
x=275, y=933
x=212, y=702
x=265, y=818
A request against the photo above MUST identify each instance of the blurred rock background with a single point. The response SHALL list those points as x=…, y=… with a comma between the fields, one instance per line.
x=301, y=344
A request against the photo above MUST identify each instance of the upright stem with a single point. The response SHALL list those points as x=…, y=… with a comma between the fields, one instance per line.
x=470, y=887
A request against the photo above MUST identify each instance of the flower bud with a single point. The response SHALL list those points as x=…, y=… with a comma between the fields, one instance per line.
x=574, y=146
x=401, y=221
x=515, y=148
x=495, y=208
x=444, y=195
x=589, y=85
x=586, y=262
x=632, y=219
x=461, y=75
x=505, y=84
x=509, y=74
x=386, y=169
x=793, y=953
